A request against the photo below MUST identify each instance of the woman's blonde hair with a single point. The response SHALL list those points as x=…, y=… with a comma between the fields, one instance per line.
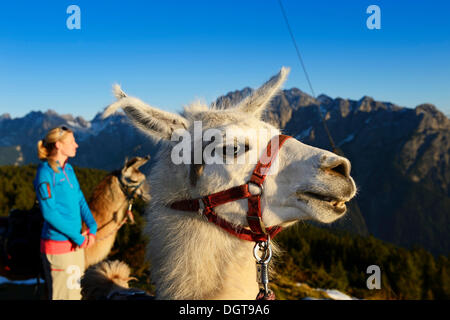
x=47, y=146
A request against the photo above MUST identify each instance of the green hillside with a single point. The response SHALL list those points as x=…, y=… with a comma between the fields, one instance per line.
x=16, y=185
x=334, y=259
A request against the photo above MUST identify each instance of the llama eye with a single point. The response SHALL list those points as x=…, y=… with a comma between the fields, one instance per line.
x=236, y=149
x=131, y=180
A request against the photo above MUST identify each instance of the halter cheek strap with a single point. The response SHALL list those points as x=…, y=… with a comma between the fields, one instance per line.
x=258, y=231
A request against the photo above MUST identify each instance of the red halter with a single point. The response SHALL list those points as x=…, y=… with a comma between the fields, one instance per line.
x=257, y=232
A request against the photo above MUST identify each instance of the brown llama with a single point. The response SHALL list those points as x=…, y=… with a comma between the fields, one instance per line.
x=110, y=205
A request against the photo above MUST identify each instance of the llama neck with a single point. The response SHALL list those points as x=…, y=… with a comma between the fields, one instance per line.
x=108, y=205
x=194, y=259
x=239, y=282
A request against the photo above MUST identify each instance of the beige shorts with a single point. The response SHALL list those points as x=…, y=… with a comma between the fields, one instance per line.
x=63, y=273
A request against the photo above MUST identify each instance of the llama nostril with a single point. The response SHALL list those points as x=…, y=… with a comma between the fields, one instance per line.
x=341, y=168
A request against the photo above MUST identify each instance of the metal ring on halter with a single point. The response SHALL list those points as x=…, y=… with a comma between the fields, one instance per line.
x=267, y=252
x=260, y=186
x=201, y=207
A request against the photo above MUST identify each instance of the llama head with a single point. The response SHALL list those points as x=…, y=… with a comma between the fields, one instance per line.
x=214, y=148
x=131, y=177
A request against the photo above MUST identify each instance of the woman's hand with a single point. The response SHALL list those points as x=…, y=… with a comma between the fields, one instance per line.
x=90, y=240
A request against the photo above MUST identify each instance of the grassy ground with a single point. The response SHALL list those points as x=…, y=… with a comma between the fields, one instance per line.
x=286, y=289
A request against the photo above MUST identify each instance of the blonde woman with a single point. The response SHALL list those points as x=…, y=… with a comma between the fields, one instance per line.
x=64, y=208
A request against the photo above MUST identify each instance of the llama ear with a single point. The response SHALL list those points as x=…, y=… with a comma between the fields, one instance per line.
x=257, y=102
x=141, y=161
x=137, y=162
x=125, y=171
x=156, y=123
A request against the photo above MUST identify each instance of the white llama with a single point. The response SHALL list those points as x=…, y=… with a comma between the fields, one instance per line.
x=192, y=258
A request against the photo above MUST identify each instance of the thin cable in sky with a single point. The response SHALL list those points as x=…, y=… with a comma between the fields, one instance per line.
x=333, y=146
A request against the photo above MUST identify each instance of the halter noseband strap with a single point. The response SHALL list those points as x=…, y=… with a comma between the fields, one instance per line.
x=129, y=197
x=125, y=188
x=257, y=232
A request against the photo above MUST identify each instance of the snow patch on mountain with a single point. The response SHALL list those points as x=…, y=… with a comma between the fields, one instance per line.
x=305, y=133
x=349, y=138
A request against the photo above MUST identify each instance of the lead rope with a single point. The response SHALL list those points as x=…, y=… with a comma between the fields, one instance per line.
x=128, y=216
x=263, y=254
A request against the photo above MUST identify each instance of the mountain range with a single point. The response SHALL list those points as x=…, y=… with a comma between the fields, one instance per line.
x=400, y=156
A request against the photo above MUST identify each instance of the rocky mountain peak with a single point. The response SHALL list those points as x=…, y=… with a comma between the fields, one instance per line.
x=431, y=118
x=5, y=116
x=324, y=99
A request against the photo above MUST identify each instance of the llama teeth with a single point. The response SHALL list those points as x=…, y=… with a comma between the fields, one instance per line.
x=339, y=204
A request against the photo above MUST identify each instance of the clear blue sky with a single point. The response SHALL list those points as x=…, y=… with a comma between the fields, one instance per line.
x=170, y=53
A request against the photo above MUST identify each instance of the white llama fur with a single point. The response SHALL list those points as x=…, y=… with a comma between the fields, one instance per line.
x=194, y=259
